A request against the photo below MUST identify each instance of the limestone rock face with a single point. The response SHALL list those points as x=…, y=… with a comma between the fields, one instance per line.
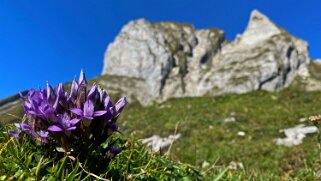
x=168, y=59
x=140, y=52
x=259, y=28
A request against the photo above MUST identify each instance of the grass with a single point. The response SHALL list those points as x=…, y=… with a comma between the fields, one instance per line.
x=23, y=160
x=206, y=137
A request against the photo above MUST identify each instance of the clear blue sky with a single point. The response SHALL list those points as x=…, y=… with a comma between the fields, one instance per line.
x=53, y=39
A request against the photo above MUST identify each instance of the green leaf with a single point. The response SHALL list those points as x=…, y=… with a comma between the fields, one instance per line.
x=39, y=167
x=221, y=175
x=60, y=167
x=71, y=176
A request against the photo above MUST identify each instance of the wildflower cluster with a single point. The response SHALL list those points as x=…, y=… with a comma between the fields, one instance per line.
x=77, y=122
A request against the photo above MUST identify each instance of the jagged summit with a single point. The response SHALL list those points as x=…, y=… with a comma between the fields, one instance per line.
x=169, y=59
x=259, y=28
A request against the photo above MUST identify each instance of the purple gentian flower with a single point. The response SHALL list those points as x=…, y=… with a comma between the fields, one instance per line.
x=51, y=96
x=45, y=109
x=37, y=104
x=120, y=104
x=64, y=124
x=20, y=126
x=21, y=96
x=82, y=78
x=109, y=107
x=102, y=94
x=94, y=95
x=62, y=99
x=114, y=150
x=78, y=90
x=88, y=111
x=26, y=127
x=14, y=133
x=74, y=90
x=42, y=135
x=92, y=92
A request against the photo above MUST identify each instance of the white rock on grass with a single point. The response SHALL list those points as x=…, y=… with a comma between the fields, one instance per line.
x=301, y=120
x=241, y=133
x=235, y=165
x=229, y=119
x=205, y=164
x=294, y=136
x=157, y=143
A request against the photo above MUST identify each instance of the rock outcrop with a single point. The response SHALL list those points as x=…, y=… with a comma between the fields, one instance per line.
x=176, y=60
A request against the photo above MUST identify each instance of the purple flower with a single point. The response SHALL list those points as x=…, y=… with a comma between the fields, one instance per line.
x=88, y=111
x=51, y=96
x=64, y=124
x=42, y=136
x=21, y=96
x=82, y=78
x=14, y=133
x=53, y=114
x=109, y=107
x=94, y=95
x=114, y=150
x=45, y=109
x=120, y=104
x=62, y=97
x=92, y=92
x=26, y=127
x=20, y=126
x=74, y=90
x=37, y=104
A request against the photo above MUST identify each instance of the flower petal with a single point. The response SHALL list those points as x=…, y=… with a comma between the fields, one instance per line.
x=74, y=121
x=92, y=93
x=82, y=78
x=32, y=112
x=21, y=96
x=77, y=111
x=102, y=94
x=55, y=128
x=56, y=102
x=114, y=150
x=14, y=133
x=108, y=103
x=25, y=126
x=60, y=90
x=71, y=128
x=43, y=134
x=74, y=89
x=99, y=113
x=18, y=126
x=51, y=96
x=88, y=108
x=120, y=104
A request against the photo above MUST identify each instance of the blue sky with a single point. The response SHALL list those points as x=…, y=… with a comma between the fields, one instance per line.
x=52, y=40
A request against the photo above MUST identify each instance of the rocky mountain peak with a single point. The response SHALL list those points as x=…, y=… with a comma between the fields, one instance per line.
x=157, y=61
x=259, y=28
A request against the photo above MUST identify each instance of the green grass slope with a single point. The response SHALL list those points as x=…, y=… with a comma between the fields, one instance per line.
x=206, y=137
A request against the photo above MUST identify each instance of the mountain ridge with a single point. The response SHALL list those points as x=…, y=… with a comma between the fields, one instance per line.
x=177, y=60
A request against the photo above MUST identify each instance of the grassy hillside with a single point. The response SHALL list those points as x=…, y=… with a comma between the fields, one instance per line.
x=206, y=137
